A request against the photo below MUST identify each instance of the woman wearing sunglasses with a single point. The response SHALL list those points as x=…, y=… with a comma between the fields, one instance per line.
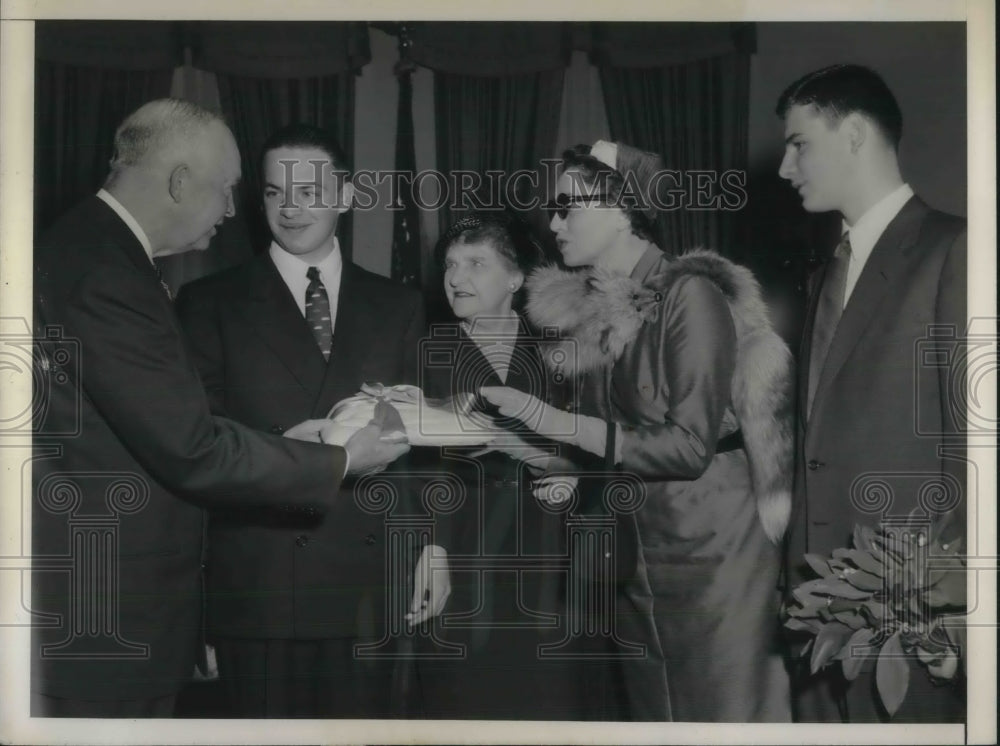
x=687, y=387
x=505, y=601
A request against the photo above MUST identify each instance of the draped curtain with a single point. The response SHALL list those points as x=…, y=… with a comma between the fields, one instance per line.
x=504, y=123
x=682, y=90
x=82, y=93
x=497, y=98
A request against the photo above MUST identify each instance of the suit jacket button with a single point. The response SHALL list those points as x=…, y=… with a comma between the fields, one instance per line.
x=277, y=429
x=370, y=540
x=301, y=540
x=814, y=465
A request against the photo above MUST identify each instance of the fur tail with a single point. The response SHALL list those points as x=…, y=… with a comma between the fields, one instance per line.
x=765, y=414
x=762, y=387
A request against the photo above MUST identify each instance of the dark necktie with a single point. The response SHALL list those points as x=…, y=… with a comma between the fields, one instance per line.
x=828, y=311
x=163, y=283
x=318, y=312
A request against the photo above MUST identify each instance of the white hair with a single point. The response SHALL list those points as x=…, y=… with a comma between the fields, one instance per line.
x=154, y=128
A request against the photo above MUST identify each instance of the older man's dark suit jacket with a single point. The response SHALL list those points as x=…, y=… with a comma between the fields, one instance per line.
x=296, y=577
x=126, y=455
x=886, y=403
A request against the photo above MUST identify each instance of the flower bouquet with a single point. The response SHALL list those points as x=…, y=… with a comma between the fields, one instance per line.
x=406, y=415
x=896, y=595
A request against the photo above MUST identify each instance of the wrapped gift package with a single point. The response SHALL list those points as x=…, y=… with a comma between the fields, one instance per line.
x=405, y=414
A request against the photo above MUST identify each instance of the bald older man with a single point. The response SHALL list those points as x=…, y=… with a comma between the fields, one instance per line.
x=117, y=519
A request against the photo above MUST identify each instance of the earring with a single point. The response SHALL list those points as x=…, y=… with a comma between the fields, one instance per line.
x=513, y=287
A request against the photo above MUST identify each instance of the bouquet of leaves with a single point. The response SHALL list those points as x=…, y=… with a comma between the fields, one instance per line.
x=895, y=595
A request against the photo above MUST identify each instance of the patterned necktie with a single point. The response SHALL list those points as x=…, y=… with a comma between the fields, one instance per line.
x=318, y=312
x=828, y=311
x=163, y=283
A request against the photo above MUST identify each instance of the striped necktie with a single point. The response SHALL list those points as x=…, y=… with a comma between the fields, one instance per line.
x=829, y=309
x=318, y=312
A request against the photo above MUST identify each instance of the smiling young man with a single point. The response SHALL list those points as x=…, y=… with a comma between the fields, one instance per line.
x=898, y=270
x=277, y=340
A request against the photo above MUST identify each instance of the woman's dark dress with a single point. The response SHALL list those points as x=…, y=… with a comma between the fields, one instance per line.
x=506, y=612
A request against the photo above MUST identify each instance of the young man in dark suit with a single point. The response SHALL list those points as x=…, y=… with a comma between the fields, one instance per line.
x=898, y=270
x=130, y=451
x=281, y=338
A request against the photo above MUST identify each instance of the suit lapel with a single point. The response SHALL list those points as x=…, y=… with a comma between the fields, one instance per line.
x=126, y=239
x=275, y=316
x=526, y=364
x=874, y=284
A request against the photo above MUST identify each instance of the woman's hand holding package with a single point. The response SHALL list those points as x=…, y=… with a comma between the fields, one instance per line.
x=537, y=458
x=589, y=433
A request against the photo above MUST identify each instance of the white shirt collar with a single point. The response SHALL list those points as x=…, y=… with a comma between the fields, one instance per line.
x=293, y=272
x=865, y=233
x=130, y=221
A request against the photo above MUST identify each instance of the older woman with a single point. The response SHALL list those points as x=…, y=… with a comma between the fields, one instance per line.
x=504, y=602
x=687, y=387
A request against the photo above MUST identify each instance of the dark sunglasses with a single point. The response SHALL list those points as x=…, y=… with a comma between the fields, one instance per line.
x=562, y=204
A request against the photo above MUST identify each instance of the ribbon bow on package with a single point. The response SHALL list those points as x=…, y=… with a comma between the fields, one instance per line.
x=405, y=415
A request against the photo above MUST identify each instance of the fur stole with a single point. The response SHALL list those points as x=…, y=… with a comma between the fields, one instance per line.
x=597, y=314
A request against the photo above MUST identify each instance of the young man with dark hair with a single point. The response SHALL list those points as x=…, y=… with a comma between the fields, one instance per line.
x=898, y=271
x=282, y=338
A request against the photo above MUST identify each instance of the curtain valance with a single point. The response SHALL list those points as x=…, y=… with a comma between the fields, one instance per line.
x=287, y=49
x=252, y=49
x=121, y=45
x=488, y=48
x=647, y=45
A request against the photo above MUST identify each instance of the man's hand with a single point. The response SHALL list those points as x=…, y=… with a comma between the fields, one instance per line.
x=322, y=431
x=555, y=490
x=431, y=585
x=368, y=453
